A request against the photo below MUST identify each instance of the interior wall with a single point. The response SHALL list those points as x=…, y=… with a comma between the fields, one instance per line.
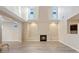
x=10, y=32
x=71, y=40
x=14, y=9
x=42, y=26
x=71, y=21
x=66, y=12
x=0, y=32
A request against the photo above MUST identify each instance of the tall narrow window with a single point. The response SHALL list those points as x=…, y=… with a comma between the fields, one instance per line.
x=54, y=13
x=32, y=13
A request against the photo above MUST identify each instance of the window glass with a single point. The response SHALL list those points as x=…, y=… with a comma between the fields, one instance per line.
x=54, y=13
x=32, y=13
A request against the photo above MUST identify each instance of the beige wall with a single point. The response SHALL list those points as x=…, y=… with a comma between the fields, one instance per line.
x=42, y=26
x=0, y=32
x=11, y=33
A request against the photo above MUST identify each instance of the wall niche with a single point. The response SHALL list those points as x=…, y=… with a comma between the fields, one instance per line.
x=73, y=28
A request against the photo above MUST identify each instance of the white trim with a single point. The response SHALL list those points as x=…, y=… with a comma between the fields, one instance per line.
x=69, y=46
x=11, y=42
x=39, y=40
x=53, y=40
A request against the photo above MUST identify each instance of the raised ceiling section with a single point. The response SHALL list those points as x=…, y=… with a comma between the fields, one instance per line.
x=21, y=13
x=7, y=13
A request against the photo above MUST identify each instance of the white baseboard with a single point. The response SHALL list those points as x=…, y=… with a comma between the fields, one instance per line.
x=39, y=41
x=10, y=41
x=69, y=46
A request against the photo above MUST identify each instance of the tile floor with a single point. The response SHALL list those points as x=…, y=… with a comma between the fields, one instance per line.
x=38, y=47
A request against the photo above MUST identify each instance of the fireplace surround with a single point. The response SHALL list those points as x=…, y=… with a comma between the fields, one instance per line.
x=43, y=37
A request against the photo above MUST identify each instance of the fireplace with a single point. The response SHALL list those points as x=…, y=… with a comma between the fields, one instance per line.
x=43, y=37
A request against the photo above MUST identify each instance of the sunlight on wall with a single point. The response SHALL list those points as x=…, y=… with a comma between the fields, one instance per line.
x=33, y=24
x=53, y=24
x=33, y=31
